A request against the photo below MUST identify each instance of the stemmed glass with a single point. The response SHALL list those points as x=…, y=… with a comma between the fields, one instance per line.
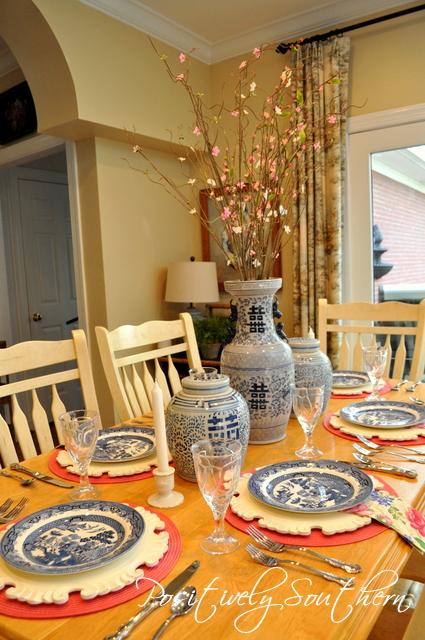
x=374, y=361
x=80, y=431
x=218, y=464
x=308, y=404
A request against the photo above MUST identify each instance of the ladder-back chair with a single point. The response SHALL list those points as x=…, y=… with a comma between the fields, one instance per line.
x=125, y=352
x=28, y=358
x=383, y=319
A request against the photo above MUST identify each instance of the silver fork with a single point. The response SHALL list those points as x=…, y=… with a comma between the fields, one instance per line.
x=399, y=384
x=11, y=515
x=269, y=561
x=271, y=545
x=412, y=386
x=5, y=506
x=381, y=447
x=371, y=452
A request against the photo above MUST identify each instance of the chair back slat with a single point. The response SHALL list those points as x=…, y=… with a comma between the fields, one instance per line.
x=162, y=381
x=141, y=346
x=24, y=361
x=173, y=377
x=58, y=408
x=344, y=354
x=400, y=359
x=139, y=389
x=41, y=424
x=358, y=353
x=7, y=447
x=130, y=392
x=22, y=431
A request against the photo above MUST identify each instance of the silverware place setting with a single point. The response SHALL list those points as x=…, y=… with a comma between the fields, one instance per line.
x=421, y=403
x=369, y=452
x=181, y=605
x=398, y=386
x=170, y=590
x=277, y=547
x=363, y=462
x=24, y=481
x=13, y=513
x=269, y=561
x=381, y=447
x=413, y=386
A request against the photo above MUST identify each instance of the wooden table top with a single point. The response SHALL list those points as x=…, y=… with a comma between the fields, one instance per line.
x=269, y=603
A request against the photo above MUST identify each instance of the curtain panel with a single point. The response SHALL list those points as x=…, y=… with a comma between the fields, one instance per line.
x=319, y=209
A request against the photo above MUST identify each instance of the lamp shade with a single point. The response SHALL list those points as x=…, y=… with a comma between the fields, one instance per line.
x=192, y=282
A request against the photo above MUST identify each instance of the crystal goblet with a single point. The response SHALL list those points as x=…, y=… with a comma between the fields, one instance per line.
x=308, y=404
x=218, y=464
x=374, y=362
x=80, y=430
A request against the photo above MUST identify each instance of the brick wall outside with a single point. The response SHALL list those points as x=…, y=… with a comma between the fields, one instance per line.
x=399, y=212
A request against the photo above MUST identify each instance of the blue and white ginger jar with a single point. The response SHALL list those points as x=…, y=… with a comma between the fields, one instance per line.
x=206, y=407
x=312, y=366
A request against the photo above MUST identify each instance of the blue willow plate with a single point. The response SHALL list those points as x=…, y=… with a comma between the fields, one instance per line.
x=384, y=415
x=72, y=537
x=350, y=379
x=121, y=444
x=316, y=486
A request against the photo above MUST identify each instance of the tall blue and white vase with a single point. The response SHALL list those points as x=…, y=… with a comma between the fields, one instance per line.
x=259, y=363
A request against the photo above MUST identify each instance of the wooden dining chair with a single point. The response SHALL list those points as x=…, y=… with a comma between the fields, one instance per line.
x=38, y=364
x=368, y=321
x=127, y=351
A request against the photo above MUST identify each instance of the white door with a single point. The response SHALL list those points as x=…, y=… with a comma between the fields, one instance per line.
x=49, y=267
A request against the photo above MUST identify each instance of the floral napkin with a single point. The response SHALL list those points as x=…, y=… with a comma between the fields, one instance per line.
x=396, y=514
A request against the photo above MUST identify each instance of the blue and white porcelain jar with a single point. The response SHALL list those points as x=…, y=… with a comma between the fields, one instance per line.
x=206, y=407
x=258, y=362
x=312, y=366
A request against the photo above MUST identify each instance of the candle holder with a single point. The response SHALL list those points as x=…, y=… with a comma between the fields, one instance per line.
x=165, y=497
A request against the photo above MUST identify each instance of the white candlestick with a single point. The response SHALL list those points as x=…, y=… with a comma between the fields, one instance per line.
x=159, y=426
x=310, y=333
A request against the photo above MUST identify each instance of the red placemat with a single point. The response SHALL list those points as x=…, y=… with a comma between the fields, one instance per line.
x=337, y=432
x=61, y=472
x=76, y=606
x=364, y=394
x=316, y=537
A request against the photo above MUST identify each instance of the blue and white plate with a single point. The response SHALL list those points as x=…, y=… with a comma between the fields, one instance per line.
x=349, y=379
x=316, y=486
x=72, y=537
x=121, y=444
x=384, y=415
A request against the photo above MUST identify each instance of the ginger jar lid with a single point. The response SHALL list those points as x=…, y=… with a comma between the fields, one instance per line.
x=205, y=382
x=303, y=345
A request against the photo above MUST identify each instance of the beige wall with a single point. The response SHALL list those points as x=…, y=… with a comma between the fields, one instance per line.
x=131, y=228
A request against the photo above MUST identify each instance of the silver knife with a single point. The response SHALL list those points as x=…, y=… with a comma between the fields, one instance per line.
x=41, y=476
x=172, y=587
x=365, y=463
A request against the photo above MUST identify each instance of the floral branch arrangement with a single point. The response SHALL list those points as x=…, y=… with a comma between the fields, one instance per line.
x=250, y=168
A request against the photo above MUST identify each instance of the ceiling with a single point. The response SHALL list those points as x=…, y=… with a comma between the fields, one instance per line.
x=221, y=29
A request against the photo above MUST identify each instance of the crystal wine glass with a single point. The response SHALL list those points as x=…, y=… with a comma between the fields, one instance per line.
x=308, y=404
x=217, y=464
x=374, y=361
x=80, y=431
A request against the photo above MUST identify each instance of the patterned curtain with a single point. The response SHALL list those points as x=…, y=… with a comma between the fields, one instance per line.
x=317, y=240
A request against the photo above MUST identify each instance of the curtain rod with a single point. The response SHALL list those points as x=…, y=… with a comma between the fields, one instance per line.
x=283, y=48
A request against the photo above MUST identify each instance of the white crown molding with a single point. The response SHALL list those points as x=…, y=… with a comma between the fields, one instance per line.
x=384, y=119
x=324, y=16
x=8, y=62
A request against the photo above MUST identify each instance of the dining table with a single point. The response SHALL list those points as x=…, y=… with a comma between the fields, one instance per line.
x=236, y=596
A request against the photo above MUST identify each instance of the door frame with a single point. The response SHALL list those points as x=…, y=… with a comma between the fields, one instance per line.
x=13, y=156
x=369, y=134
